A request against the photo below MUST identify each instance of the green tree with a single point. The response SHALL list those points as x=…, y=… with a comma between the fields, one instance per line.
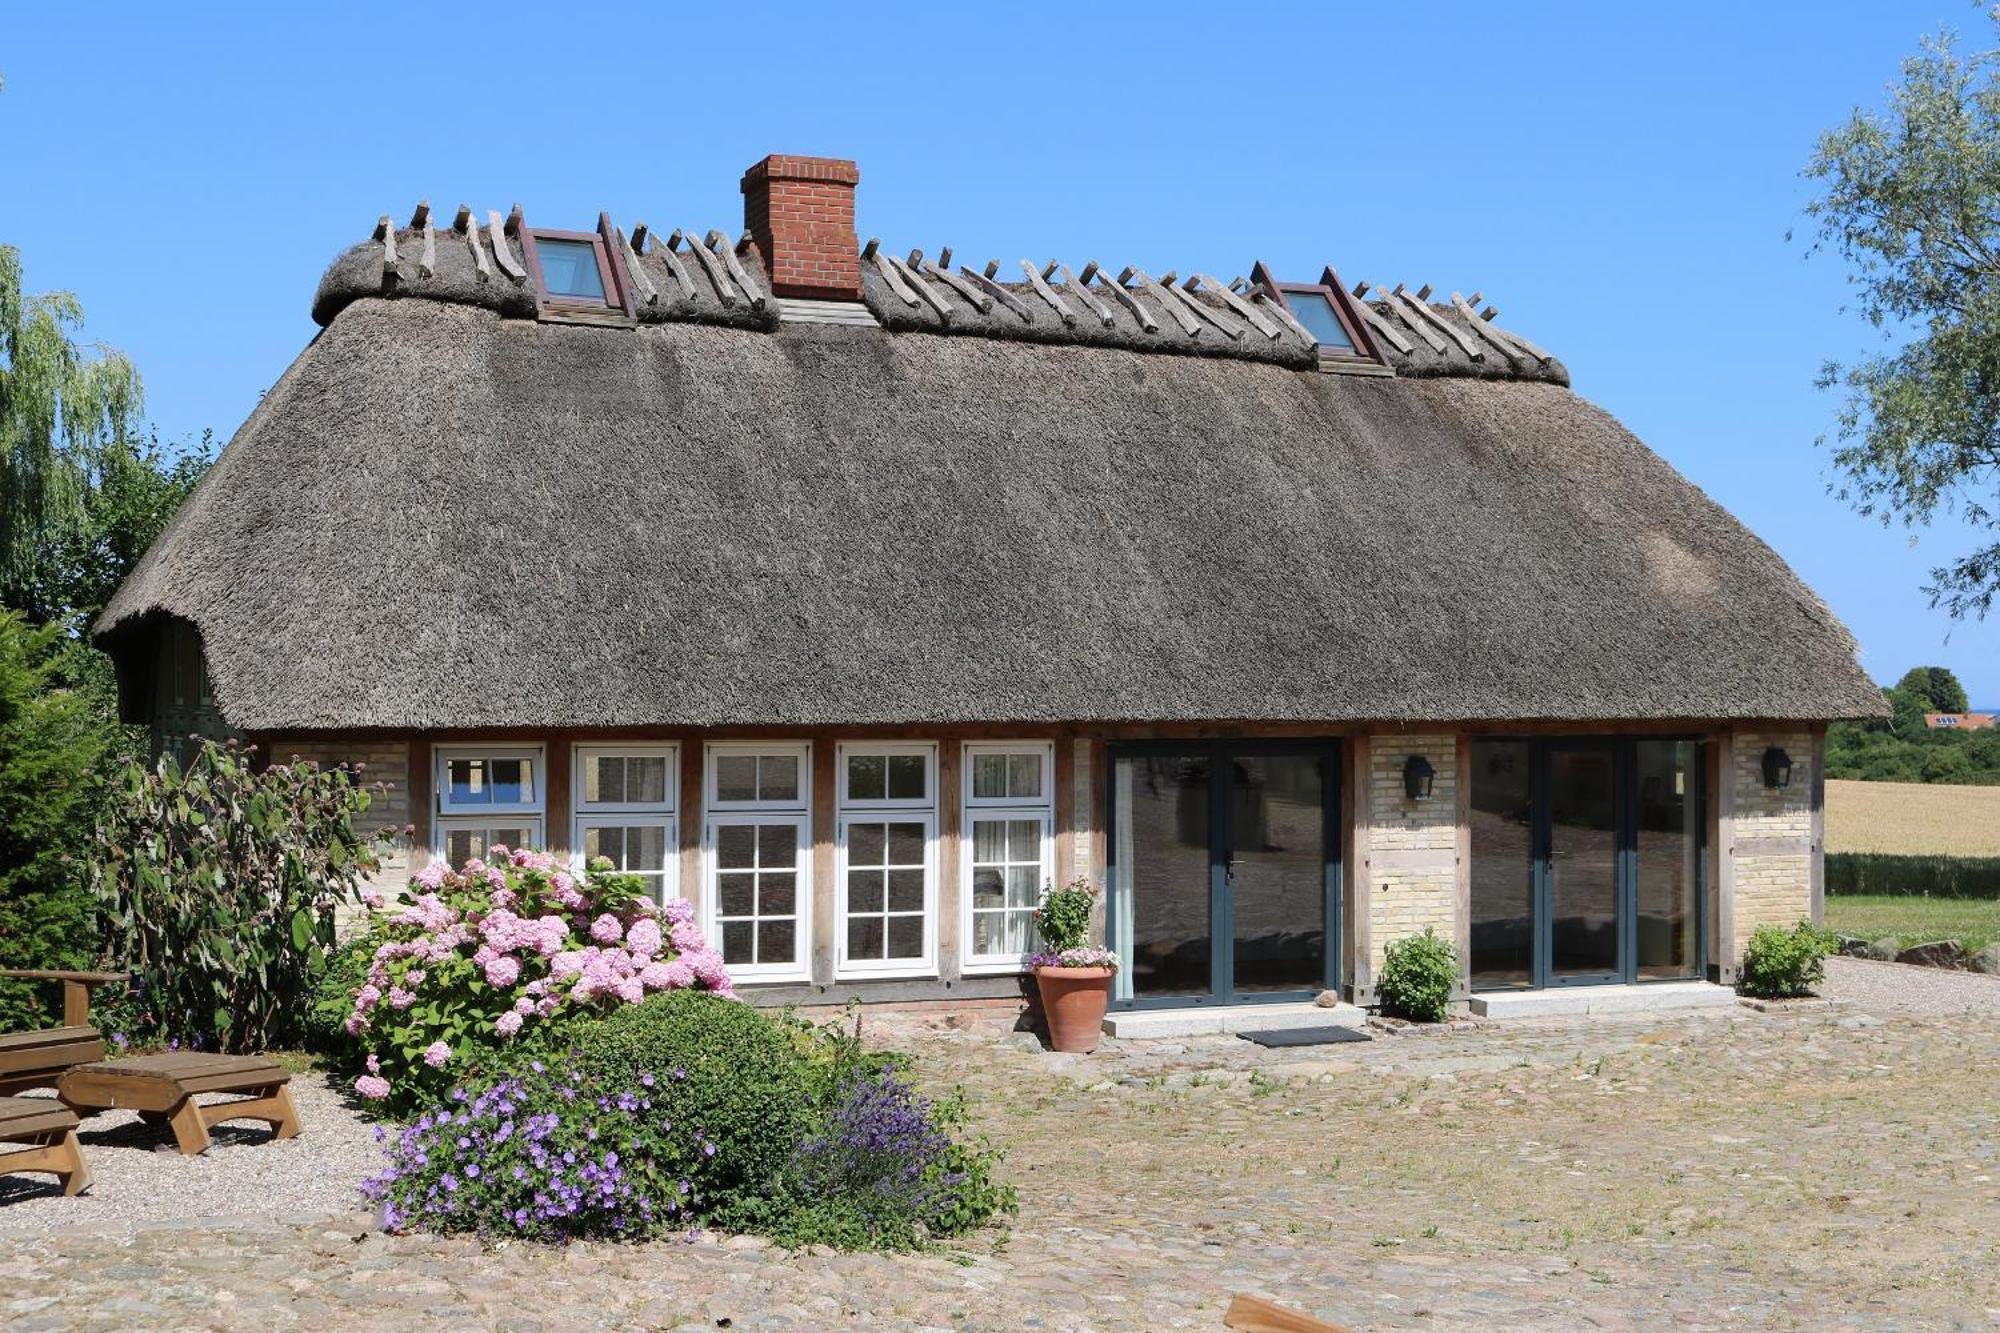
x=1936, y=687
x=55, y=750
x=67, y=410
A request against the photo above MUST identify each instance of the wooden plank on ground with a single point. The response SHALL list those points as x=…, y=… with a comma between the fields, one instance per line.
x=1254, y=1314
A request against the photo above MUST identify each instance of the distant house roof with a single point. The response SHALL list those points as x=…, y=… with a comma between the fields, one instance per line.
x=1959, y=721
x=451, y=513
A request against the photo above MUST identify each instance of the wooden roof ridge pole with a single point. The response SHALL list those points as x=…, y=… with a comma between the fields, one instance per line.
x=1238, y=304
x=1125, y=297
x=421, y=221
x=464, y=223
x=1424, y=311
x=720, y=244
x=1202, y=309
x=1376, y=323
x=1510, y=349
x=971, y=295
x=674, y=266
x=514, y=221
x=1048, y=293
x=633, y=244
x=716, y=276
x=501, y=254
x=1418, y=327
x=1189, y=324
x=1082, y=290
x=921, y=288
x=1259, y=292
x=1484, y=323
x=986, y=284
x=873, y=251
x=385, y=232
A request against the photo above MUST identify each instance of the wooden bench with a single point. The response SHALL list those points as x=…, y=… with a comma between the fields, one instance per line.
x=38, y=1059
x=49, y=1131
x=162, y=1089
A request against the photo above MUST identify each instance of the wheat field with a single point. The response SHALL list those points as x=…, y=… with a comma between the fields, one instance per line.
x=1912, y=818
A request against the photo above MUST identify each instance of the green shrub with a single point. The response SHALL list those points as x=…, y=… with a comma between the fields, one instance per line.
x=1780, y=964
x=741, y=1081
x=1419, y=973
x=341, y=973
x=1913, y=876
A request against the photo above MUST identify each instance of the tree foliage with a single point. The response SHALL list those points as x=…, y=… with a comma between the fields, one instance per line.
x=1911, y=201
x=1901, y=748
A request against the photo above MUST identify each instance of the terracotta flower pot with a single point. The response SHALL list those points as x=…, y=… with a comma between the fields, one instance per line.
x=1073, y=1001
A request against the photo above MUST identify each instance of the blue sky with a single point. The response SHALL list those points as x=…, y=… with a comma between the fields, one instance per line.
x=1618, y=179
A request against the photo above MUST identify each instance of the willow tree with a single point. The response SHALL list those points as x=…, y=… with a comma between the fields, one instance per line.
x=65, y=406
x=1911, y=201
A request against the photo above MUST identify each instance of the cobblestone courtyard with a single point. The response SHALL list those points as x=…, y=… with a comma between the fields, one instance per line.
x=1833, y=1169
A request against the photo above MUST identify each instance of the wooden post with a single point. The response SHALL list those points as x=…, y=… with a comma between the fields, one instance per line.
x=1358, y=909
x=826, y=915
x=1463, y=846
x=951, y=850
x=1818, y=761
x=694, y=822
x=1722, y=859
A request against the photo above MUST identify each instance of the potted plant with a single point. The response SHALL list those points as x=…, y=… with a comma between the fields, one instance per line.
x=1074, y=977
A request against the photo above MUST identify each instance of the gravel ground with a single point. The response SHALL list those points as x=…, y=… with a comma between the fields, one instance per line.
x=1901, y=989
x=137, y=1177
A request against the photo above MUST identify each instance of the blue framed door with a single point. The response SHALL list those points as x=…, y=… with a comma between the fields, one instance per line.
x=1224, y=871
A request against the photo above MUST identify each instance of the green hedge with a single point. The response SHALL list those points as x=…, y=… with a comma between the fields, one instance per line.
x=1913, y=876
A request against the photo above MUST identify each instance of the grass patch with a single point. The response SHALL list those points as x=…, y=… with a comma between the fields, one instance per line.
x=1871, y=916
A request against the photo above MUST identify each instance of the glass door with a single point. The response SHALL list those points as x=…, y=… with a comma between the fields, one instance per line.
x=1583, y=913
x=1224, y=872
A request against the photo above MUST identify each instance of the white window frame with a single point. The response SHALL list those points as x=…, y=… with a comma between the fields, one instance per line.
x=663, y=814
x=801, y=750
x=926, y=750
x=800, y=966
x=998, y=808
x=974, y=749
x=874, y=969
x=441, y=780
x=442, y=826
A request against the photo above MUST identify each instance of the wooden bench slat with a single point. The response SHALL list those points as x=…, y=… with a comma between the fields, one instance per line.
x=22, y=1117
x=47, y=1037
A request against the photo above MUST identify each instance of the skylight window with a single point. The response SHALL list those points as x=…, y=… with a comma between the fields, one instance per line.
x=573, y=270
x=1326, y=312
x=1314, y=309
x=569, y=268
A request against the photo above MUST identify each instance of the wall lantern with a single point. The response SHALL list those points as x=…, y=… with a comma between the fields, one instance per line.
x=1777, y=768
x=1418, y=775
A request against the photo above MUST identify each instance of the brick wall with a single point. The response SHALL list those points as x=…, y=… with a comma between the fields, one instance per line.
x=1772, y=834
x=1412, y=845
x=800, y=211
x=385, y=762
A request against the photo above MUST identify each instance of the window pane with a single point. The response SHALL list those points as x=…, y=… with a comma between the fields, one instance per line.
x=1024, y=886
x=778, y=895
x=1502, y=872
x=864, y=844
x=906, y=937
x=906, y=844
x=776, y=941
x=1024, y=776
x=594, y=841
x=604, y=780
x=736, y=894
x=570, y=268
x=646, y=779
x=778, y=777
x=988, y=932
x=989, y=776
x=1019, y=932
x=736, y=777
x=735, y=846
x=864, y=937
x=513, y=838
x=906, y=890
x=907, y=777
x=865, y=777
x=460, y=846
x=738, y=944
x=866, y=890
x=647, y=845
x=777, y=846
x=989, y=841
x=513, y=781
x=1316, y=312
x=989, y=889
x=1024, y=840
x=467, y=782
x=1669, y=856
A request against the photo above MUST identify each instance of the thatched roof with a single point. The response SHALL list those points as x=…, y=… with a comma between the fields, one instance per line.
x=445, y=517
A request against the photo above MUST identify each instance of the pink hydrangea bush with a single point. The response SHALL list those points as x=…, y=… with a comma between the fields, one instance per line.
x=476, y=966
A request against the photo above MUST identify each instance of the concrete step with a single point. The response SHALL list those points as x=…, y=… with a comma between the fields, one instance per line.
x=1202, y=1020
x=1659, y=997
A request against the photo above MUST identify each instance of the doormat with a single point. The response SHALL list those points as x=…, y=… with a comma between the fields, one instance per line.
x=1324, y=1036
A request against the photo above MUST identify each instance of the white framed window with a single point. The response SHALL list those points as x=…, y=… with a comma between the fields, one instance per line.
x=759, y=776
x=459, y=839
x=881, y=775
x=489, y=780
x=1007, y=852
x=626, y=799
x=757, y=858
x=760, y=894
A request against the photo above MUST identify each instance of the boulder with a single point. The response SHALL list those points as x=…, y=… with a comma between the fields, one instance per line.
x=1851, y=947
x=1987, y=960
x=1884, y=950
x=1327, y=999
x=1937, y=953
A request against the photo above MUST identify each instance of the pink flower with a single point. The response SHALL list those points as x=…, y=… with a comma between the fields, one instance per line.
x=374, y=1065
x=644, y=938
x=679, y=912
x=507, y=1024
x=432, y=875
x=503, y=971
x=568, y=963
x=524, y=1006
x=630, y=989
x=606, y=930
x=436, y=1054
x=372, y=899
x=372, y=1086
x=400, y=998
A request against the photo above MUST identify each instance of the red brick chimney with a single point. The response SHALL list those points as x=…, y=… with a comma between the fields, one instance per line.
x=801, y=212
